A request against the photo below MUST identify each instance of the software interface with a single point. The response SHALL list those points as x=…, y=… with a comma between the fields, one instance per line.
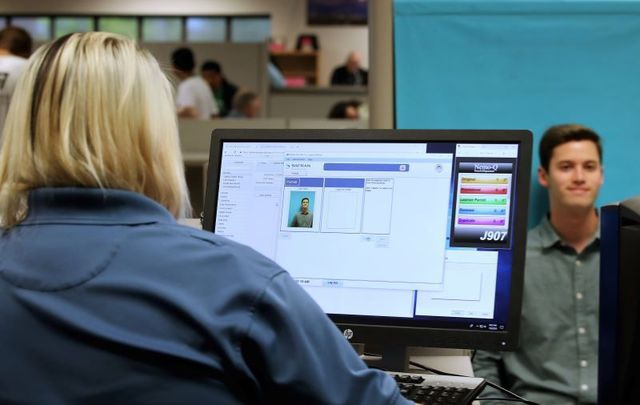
x=402, y=230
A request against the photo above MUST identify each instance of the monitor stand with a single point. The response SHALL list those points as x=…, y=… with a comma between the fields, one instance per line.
x=386, y=357
x=396, y=358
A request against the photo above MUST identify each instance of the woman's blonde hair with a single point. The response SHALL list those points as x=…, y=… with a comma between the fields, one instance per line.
x=91, y=110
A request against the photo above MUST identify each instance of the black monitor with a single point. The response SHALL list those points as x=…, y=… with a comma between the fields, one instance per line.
x=403, y=237
x=619, y=342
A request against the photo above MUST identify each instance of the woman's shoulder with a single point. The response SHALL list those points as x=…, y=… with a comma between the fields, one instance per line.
x=193, y=250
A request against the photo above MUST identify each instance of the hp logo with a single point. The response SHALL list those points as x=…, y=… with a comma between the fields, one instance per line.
x=348, y=333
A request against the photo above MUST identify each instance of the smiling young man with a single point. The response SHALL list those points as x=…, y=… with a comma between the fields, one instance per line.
x=556, y=360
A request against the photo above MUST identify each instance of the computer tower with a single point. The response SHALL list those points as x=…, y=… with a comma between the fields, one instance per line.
x=619, y=344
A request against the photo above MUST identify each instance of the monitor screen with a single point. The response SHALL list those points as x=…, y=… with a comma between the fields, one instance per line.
x=413, y=238
x=331, y=12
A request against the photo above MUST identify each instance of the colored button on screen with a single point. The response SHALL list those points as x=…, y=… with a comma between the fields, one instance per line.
x=483, y=190
x=481, y=221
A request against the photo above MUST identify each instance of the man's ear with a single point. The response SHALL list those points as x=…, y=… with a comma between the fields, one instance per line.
x=543, y=177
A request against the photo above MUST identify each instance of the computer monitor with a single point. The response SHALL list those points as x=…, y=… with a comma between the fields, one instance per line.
x=619, y=342
x=403, y=237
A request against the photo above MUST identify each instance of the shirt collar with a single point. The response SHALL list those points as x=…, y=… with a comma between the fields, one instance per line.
x=93, y=205
x=549, y=237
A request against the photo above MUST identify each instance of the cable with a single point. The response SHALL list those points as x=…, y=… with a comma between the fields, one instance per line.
x=499, y=399
x=433, y=370
x=506, y=391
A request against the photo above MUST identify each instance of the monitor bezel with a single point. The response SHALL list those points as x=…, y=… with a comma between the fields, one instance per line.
x=364, y=330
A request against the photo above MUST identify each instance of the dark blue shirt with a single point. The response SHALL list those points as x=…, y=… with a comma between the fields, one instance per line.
x=104, y=298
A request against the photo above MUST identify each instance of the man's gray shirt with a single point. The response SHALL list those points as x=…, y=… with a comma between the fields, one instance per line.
x=556, y=362
x=303, y=220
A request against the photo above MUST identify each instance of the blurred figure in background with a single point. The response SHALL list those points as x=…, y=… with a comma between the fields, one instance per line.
x=350, y=74
x=194, y=98
x=345, y=110
x=15, y=48
x=223, y=90
x=246, y=104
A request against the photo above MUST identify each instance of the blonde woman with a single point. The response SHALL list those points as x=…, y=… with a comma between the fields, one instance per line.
x=104, y=298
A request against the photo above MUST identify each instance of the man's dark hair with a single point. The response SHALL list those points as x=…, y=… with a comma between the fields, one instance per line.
x=339, y=109
x=561, y=134
x=183, y=60
x=16, y=40
x=211, y=65
x=305, y=198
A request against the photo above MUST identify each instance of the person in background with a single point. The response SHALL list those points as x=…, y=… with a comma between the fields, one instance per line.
x=350, y=74
x=246, y=104
x=345, y=110
x=104, y=297
x=223, y=90
x=15, y=48
x=194, y=98
x=556, y=362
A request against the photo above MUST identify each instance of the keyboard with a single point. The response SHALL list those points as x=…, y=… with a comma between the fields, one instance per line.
x=438, y=389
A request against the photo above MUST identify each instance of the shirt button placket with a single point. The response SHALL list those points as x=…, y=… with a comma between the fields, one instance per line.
x=579, y=280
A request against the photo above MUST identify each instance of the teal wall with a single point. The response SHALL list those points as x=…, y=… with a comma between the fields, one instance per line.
x=525, y=65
